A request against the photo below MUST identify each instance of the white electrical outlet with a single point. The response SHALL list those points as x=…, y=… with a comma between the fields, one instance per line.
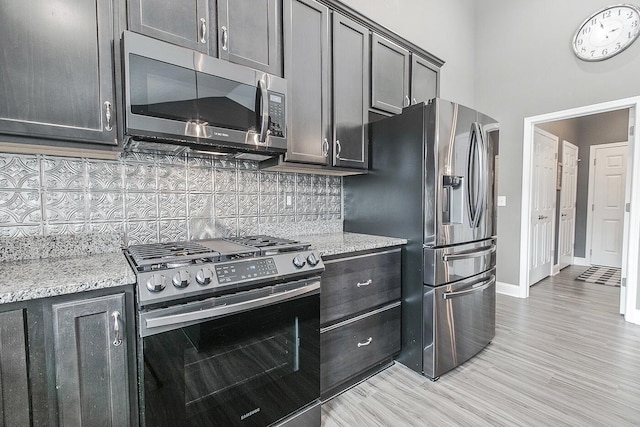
x=502, y=200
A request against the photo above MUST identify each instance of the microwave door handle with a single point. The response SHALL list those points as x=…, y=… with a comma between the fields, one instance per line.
x=264, y=110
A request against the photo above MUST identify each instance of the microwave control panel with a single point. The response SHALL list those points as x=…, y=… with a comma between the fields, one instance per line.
x=276, y=114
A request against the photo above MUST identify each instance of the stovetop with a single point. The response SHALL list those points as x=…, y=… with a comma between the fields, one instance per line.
x=172, y=271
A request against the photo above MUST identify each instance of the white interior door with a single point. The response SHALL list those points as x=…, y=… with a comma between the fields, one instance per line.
x=627, y=202
x=607, y=173
x=543, y=205
x=568, y=192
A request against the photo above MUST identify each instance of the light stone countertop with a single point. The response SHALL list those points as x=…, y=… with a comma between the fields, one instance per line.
x=47, y=277
x=341, y=243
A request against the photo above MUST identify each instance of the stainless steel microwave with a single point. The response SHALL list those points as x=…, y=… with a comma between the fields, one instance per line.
x=179, y=96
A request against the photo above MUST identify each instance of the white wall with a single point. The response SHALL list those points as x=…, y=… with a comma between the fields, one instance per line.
x=446, y=29
x=525, y=67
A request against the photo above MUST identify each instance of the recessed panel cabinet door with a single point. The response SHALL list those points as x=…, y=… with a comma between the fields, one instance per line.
x=57, y=69
x=184, y=23
x=249, y=33
x=389, y=75
x=306, y=68
x=14, y=379
x=91, y=362
x=424, y=80
x=350, y=92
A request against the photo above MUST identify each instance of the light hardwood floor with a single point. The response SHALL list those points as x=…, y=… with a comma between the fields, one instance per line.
x=563, y=357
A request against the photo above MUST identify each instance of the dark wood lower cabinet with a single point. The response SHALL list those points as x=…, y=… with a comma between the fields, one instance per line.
x=14, y=377
x=359, y=344
x=360, y=317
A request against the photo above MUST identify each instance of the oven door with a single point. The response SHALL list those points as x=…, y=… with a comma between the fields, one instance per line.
x=247, y=359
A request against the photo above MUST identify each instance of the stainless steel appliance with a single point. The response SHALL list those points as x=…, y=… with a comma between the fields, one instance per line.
x=179, y=96
x=431, y=181
x=228, y=332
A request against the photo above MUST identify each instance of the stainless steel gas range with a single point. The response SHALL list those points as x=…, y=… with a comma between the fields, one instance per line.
x=228, y=332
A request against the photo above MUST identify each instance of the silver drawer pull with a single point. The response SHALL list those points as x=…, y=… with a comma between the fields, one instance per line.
x=367, y=283
x=117, y=341
x=366, y=343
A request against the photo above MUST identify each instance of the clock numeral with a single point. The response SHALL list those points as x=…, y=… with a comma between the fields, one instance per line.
x=583, y=49
x=580, y=42
x=586, y=30
x=594, y=21
x=605, y=51
x=593, y=52
x=634, y=24
x=629, y=35
x=630, y=15
x=606, y=14
x=618, y=45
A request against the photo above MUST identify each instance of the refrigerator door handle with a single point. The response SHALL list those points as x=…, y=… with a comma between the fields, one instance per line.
x=474, y=182
x=476, y=287
x=476, y=253
x=484, y=162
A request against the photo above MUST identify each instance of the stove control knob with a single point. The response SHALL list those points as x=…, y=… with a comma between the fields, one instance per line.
x=203, y=276
x=299, y=261
x=156, y=283
x=313, y=259
x=181, y=279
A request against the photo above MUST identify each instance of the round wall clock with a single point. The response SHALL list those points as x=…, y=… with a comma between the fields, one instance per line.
x=607, y=32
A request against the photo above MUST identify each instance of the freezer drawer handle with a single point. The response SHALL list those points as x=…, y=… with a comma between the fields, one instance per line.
x=471, y=290
x=485, y=250
x=366, y=343
x=367, y=283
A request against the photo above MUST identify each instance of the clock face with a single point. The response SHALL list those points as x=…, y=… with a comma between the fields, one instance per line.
x=607, y=32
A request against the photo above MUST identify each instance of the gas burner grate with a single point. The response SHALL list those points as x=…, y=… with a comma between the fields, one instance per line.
x=160, y=253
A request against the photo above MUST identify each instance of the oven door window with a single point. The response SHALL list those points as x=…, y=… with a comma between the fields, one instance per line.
x=251, y=368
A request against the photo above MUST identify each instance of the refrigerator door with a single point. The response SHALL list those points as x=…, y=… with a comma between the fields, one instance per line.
x=448, y=264
x=459, y=321
x=459, y=150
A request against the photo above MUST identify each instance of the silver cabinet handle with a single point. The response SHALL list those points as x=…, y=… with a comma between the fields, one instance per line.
x=485, y=250
x=325, y=147
x=407, y=101
x=366, y=343
x=225, y=38
x=367, y=283
x=108, y=126
x=338, y=148
x=203, y=30
x=117, y=340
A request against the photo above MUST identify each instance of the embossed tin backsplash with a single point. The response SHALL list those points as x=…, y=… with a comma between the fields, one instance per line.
x=150, y=198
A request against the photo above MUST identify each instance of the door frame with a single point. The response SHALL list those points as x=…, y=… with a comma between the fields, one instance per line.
x=563, y=189
x=592, y=172
x=632, y=313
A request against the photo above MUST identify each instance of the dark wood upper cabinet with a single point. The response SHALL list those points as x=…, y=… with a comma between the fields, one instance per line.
x=57, y=69
x=250, y=33
x=185, y=23
x=389, y=75
x=350, y=92
x=306, y=68
x=424, y=80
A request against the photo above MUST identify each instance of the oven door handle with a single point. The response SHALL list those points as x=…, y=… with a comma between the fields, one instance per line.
x=225, y=310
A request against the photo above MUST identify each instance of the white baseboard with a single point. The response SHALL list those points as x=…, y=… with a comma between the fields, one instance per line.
x=555, y=269
x=633, y=317
x=508, y=289
x=580, y=261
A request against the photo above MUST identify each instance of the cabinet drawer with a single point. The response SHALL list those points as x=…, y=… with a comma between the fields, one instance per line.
x=351, y=347
x=355, y=284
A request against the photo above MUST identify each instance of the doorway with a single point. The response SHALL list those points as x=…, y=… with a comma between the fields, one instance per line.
x=632, y=233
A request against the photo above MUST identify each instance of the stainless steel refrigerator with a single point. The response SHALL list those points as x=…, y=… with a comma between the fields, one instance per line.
x=432, y=181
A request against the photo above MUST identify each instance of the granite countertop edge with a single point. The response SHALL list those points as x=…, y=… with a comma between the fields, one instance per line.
x=49, y=277
x=343, y=243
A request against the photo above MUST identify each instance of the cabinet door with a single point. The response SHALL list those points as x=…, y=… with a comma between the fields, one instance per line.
x=14, y=380
x=91, y=362
x=306, y=68
x=185, y=23
x=350, y=92
x=57, y=71
x=389, y=75
x=249, y=33
x=424, y=80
